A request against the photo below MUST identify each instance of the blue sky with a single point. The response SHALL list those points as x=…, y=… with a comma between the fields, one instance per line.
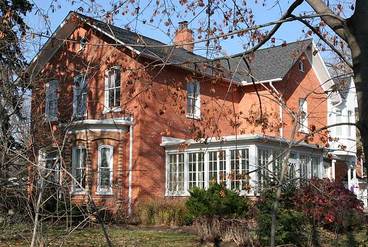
x=288, y=32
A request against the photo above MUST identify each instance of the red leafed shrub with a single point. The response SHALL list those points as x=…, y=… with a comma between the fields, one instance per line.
x=328, y=203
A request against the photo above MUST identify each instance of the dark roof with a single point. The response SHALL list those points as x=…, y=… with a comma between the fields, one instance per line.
x=147, y=46
x=266, y=64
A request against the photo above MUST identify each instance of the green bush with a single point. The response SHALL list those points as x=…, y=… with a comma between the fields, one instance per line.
x=169, y=212
x=220, y=214
x=291, y=224
x=217, y=201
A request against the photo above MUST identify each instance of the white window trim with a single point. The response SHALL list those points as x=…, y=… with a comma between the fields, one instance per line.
x=54, y=116
x=75, y=188
x=107, y=108
x=197, y=104
x=185, y=187
x=100, y=191
x=75, y=102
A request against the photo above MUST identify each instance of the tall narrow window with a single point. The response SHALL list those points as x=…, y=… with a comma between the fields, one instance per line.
x=217, y=166
x=301, y=66
x=349, y=122
x=196, y=170
x=292, y=165
x=105, y=169
x=315, y=167
x=304, y=166
x=277, y=158
x=193, y=100
x=112, y=89
x=80, y=96
x=263, y=166
x=51, y=106
x=303, y=115
x=79, y=168
x=175, y=176
x=239, y=163
x=52, y=167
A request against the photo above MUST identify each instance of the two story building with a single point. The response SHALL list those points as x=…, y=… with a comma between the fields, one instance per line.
x=132, y=118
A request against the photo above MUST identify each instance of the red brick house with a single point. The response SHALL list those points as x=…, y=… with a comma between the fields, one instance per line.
x=131, y=117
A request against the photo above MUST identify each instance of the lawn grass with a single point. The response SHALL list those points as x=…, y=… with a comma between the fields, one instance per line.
x=131, y=236
x=120, y=236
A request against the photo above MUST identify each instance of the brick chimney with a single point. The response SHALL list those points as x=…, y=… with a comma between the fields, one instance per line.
x=184, y=35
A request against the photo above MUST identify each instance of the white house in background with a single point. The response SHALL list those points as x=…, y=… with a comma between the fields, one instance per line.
x=343, y=149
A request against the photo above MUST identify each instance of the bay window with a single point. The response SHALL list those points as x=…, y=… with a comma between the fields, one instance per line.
x=105, y=169
x=245, y=169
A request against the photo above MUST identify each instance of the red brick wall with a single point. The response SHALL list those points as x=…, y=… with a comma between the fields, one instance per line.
x=157, y=100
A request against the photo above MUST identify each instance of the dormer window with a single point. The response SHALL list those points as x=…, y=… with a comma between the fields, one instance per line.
x=301, y=66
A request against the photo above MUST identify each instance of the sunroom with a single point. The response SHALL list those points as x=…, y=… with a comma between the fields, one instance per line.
x=244, y=163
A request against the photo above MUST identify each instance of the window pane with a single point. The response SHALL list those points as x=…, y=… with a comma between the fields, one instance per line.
x=190, y=105
x=315, y=167
x=111, y=97
x=180, y=175
x=263, y=160
x=222, y=165
x=117, y=78
x=192, y=170
x=212, y=165
x=117, y=97
x=200, y=166
x=105, y=153
x=304, y=162
x=234, y=163
x=111, y=79
x=105, y=178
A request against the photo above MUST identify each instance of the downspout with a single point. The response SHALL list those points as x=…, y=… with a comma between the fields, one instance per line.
x=130, y=165
x=280, y=108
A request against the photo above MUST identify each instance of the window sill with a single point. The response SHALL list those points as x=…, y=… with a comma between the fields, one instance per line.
x=108, y=110
x=195, y=117
x=172, y=194
x=104, y=193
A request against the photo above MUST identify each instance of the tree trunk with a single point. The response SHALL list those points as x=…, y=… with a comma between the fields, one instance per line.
x=358, y=43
